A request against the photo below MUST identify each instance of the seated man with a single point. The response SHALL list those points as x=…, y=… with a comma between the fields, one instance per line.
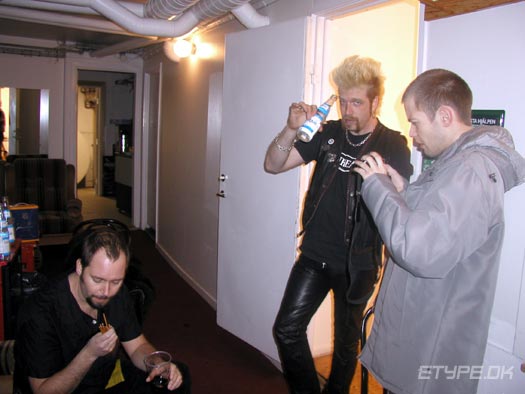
x=60, y=346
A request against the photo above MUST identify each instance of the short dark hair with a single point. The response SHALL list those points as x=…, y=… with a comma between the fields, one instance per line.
x=436, y=87
x=112, y=241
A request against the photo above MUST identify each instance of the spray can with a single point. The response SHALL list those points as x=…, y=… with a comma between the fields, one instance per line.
x=307, y=131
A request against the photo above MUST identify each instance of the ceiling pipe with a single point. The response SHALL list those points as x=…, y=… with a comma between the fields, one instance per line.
x=42, y=5
x=50, y=18
x=214, y=8
x=116, y=12
x=201, y=11
x=136, y=8
x=126, y=18
x=249, y=17
x=166, y=9
x=120, y=15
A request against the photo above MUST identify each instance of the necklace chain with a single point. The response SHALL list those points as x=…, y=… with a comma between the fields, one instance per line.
x=359, y=143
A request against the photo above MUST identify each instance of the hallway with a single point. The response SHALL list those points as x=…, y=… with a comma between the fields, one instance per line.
x=94, y=207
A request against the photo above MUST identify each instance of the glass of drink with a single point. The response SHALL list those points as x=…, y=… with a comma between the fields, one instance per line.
x=159, y=363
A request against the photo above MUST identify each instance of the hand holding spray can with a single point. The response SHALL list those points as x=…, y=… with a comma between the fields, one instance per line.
x=312, y=125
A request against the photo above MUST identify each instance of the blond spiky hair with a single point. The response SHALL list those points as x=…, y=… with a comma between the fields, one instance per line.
x=356, y=71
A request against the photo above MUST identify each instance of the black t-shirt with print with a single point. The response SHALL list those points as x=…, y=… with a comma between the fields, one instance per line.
x=323, y=240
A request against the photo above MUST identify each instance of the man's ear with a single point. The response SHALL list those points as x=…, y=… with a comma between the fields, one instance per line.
x=445, y=115
x=375, y=103
x=78, y=267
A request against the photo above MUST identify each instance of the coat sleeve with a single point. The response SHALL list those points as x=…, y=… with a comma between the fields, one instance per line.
x=450, y=220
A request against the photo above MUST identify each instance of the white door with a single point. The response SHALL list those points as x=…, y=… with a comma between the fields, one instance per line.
x=258, y=213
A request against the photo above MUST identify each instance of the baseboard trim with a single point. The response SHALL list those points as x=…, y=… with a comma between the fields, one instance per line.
x=188, y=278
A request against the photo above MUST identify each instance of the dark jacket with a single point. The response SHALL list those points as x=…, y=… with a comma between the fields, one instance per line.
x=365, y=245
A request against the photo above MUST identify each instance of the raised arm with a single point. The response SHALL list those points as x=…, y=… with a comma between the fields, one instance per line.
x=281, y=155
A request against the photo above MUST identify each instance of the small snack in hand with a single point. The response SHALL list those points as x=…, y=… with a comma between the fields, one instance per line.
x=104, y=327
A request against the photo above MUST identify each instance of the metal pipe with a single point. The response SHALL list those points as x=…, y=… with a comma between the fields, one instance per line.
x=72, y=21
x=70, y=6
x=166, y=9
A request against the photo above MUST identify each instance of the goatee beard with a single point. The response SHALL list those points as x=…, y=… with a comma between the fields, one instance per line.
x=353, y=126
x=89, y=300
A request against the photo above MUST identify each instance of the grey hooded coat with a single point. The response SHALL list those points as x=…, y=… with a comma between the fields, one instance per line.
x=444, y=234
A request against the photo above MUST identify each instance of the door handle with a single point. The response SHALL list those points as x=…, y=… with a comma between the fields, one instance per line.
x=221, y=194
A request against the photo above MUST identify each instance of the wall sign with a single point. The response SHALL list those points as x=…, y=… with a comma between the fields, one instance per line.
x=488, y=117
x=480, y=117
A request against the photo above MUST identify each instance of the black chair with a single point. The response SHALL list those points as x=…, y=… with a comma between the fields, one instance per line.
x=364, y=371
x=49, y=184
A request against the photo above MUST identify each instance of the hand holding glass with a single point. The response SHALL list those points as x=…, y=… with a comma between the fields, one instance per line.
x=158, y=363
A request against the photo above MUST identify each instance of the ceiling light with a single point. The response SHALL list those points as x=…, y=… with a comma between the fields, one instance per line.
x=184, y=48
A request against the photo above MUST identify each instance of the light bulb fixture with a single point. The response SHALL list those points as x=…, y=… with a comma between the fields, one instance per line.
x=184, y=48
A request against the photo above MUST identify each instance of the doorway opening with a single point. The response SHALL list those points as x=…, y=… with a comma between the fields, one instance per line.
x=105, y=107
x=394, y=45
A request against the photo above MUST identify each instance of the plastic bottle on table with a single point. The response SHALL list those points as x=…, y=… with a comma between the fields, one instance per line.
x=5, y=246
x=9, y=218
x=312, y=125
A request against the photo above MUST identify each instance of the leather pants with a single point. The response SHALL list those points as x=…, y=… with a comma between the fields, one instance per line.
x=308, y=284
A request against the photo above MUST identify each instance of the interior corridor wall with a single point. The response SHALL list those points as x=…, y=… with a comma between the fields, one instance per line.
x=487, y=49
x=187, y=228
x=189, y=165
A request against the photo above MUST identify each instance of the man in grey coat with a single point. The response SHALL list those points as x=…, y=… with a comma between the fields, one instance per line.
x=444, y=234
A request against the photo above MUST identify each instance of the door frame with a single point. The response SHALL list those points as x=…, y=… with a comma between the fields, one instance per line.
x=72, y=67
x=147, y=134
x=99, y=133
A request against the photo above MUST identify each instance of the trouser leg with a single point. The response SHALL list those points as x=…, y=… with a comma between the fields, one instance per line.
x=347, y=332
x=307, y=287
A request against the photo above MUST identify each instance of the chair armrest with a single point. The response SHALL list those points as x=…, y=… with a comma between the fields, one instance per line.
x=74, y=209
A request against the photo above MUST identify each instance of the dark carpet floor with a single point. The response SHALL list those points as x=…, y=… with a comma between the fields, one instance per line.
x=182, y=323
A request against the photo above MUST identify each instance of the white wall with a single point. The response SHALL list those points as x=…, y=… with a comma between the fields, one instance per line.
x=487, y=49
x=39, y=73
x=189, y=165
